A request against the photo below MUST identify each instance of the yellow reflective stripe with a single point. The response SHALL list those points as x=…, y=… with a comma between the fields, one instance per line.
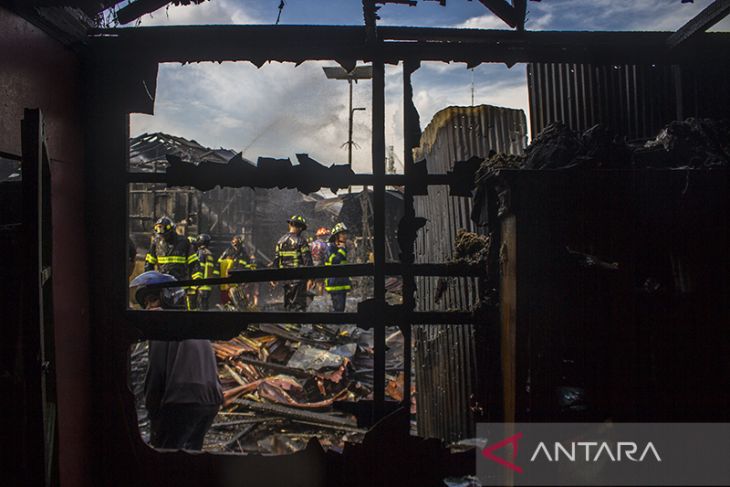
x=197, y=275
x=289, y=253
x=150, y=258
x=192, y=258
x=342, y=252
x=171, y=259
x=338, y=288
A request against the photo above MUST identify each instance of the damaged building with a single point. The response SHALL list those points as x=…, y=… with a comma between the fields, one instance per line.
x=567, y=264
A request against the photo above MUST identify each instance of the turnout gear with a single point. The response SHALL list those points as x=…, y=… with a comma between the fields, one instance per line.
x=209, y=270
x=172, y=254
x=237, y=257
x=292, y=250
x=164, y=226
x=299, y=221
x=337, y=256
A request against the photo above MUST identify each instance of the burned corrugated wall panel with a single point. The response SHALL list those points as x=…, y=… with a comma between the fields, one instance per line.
x=635, y=101
x=446, y=361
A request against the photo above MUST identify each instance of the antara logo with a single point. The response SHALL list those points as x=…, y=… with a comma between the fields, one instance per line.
x=622, y=450
x=589, y=451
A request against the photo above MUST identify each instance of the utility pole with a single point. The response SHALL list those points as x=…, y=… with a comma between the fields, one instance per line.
x=349, y=126
x=359, y=72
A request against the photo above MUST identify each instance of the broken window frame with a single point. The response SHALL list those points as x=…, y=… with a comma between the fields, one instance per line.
x=114, y=93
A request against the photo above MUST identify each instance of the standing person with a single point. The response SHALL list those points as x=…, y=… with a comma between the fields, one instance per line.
x=172, y=254
x=237, y=257
x=207, y=265
x=338, y=287
x=182, y=391
x=292, y=250
x=319, y=253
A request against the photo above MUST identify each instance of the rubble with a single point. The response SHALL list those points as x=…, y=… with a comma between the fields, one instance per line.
x=693, y=143
x=281, y=382
x=471, y=247
x=499, y=161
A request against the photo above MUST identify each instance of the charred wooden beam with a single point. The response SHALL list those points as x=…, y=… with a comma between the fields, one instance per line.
x=452, y=269
x=308, y=176
x=261, y=43
x=275, y=367
x=224, y=325
x=711, y=15
x=503, y=10
x=137, y=9
x=296, y=414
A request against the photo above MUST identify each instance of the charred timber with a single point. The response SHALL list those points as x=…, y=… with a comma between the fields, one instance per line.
x=454, y=269
x=307, y=177
x=262, y=43
x=224, y=325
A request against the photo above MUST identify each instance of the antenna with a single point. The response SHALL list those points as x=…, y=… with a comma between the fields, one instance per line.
x=472, y=87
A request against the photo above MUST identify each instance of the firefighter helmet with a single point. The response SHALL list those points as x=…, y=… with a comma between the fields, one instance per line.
x=322, y=232
x=299, y=221
x=237, y=240
x=170, y=297
x=204, y=239
x=338, y=228
x=164, y=226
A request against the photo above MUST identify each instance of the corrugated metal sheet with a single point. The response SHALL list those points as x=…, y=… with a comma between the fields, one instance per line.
x=634, y=100
x=445, y=357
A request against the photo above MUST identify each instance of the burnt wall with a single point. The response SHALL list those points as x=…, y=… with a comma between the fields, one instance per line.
x=634, y=100
x=37, y=72
x=451, y=360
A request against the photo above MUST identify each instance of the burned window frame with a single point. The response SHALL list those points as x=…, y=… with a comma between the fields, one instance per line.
x=122, y=70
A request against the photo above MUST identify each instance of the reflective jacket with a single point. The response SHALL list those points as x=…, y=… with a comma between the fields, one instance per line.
x=177, y=258
x=207, y=266
x=292, y=250
x=235, y=259
x=336, y=256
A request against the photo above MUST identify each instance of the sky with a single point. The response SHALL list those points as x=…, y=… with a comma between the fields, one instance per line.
x=280, y=110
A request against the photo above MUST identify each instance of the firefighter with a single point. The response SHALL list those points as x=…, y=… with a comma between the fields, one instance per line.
x=319, y=252
x=237, y=257
x=172, y=254
x=292, y=250
x=207, y=265
x=338, y=287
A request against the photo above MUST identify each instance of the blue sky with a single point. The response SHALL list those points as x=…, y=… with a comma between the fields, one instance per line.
x=280, y=110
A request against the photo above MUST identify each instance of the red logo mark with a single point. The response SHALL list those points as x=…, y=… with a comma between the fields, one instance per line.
x=487, y=452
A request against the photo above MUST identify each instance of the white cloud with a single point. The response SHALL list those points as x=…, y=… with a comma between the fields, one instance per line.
x=275, y=111
x=211, y=12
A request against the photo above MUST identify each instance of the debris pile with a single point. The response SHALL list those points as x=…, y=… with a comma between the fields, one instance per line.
x=693, y=143
x=557, y=146
x=286, y=384
x=499, y=161
x=471, y=247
